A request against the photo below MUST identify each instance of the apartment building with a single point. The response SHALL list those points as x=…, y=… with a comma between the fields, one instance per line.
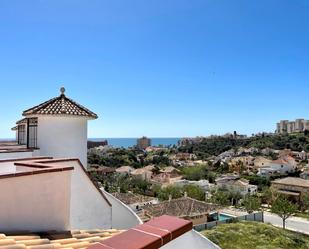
x=286, y=126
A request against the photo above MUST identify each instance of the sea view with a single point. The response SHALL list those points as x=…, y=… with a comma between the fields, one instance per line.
x=129, y=142
x=154, y=124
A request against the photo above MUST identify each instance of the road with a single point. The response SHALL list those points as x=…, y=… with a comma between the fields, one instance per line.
x=292, y=223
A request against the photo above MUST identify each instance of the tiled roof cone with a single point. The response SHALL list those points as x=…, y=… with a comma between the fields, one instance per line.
x=60, y=106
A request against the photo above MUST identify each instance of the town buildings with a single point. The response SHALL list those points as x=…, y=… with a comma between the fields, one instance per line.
x=293, y=187
x=282, y=166
x=143, y=142
x=203, y=184
x=234, y=183
x=286, y=126
x=135, y=201
x=187, y=208
x=125, y=170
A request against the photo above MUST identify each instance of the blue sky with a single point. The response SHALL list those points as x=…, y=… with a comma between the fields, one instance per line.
x=159, y=68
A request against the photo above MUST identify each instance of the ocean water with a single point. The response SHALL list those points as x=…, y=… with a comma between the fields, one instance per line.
x=129, y=142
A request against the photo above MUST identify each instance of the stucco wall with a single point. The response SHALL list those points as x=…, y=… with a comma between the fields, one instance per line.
x=63, y=137
x=122, y=216
x=89, y=210
x=38, y=202
x=15, y=155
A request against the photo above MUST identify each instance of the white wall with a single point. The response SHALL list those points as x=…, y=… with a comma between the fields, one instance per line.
x=122, y=216
x=15, y=155
x=192, y=240
x=282, y=168
x=37, y=202
x=61, y=137
x=89, y=210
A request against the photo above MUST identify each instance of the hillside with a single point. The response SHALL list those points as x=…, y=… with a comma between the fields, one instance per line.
x=253, y=235
x=214, y=146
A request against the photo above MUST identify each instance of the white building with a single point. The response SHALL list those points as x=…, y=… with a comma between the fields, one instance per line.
x=203, y=184
x=50, y=193
x=281, y=166
x=234, y=183
x=57, y=127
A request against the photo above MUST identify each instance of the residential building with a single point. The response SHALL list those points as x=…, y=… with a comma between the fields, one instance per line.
x=203, y=184
x=183, y=156
x=281, y=166
x=236, y=184
x=125, y=170
x=260, y=161
x=144, y=173
x=305, y=175
x=143, y=143
x=293, y=187
x=168, y=176
x=135, y=201
x=185, y=208
x=286, y=126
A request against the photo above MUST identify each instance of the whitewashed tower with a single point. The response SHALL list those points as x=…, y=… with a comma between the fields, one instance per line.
x=58, y=127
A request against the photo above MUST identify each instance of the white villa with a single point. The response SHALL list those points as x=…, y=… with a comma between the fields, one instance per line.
x=281, y=166
x=45, y=188
x=236, y=184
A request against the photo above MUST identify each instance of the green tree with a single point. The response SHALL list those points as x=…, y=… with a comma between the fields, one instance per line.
x=221, y=197
x=283, y=208
x=234, y=196
x=267, y=195
x=251, y=203
x=194, y=192
x=305, y=202
x=164, y=193
x=195, y=173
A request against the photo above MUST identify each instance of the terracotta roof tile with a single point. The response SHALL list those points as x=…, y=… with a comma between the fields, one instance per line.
x=60, y=105
x=34, y=241
x=181, y=207
x=130, y=198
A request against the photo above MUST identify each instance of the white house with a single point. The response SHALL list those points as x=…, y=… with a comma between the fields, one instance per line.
x=281, y=166
x=57, y=127
x=203, y=184
x=234, y=183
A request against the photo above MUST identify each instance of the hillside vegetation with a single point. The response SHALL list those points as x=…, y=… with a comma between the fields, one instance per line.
x=254, y=235
x=214, y=146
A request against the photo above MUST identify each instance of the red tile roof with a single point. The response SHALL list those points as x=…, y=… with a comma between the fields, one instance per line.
x=151, y=235
x=60, y=105
x=55, y=240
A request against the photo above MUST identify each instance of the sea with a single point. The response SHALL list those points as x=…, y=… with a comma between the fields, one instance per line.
x=129, y=142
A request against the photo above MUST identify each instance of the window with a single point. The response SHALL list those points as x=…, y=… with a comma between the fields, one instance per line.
x=32, y=132
x=21, y=134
